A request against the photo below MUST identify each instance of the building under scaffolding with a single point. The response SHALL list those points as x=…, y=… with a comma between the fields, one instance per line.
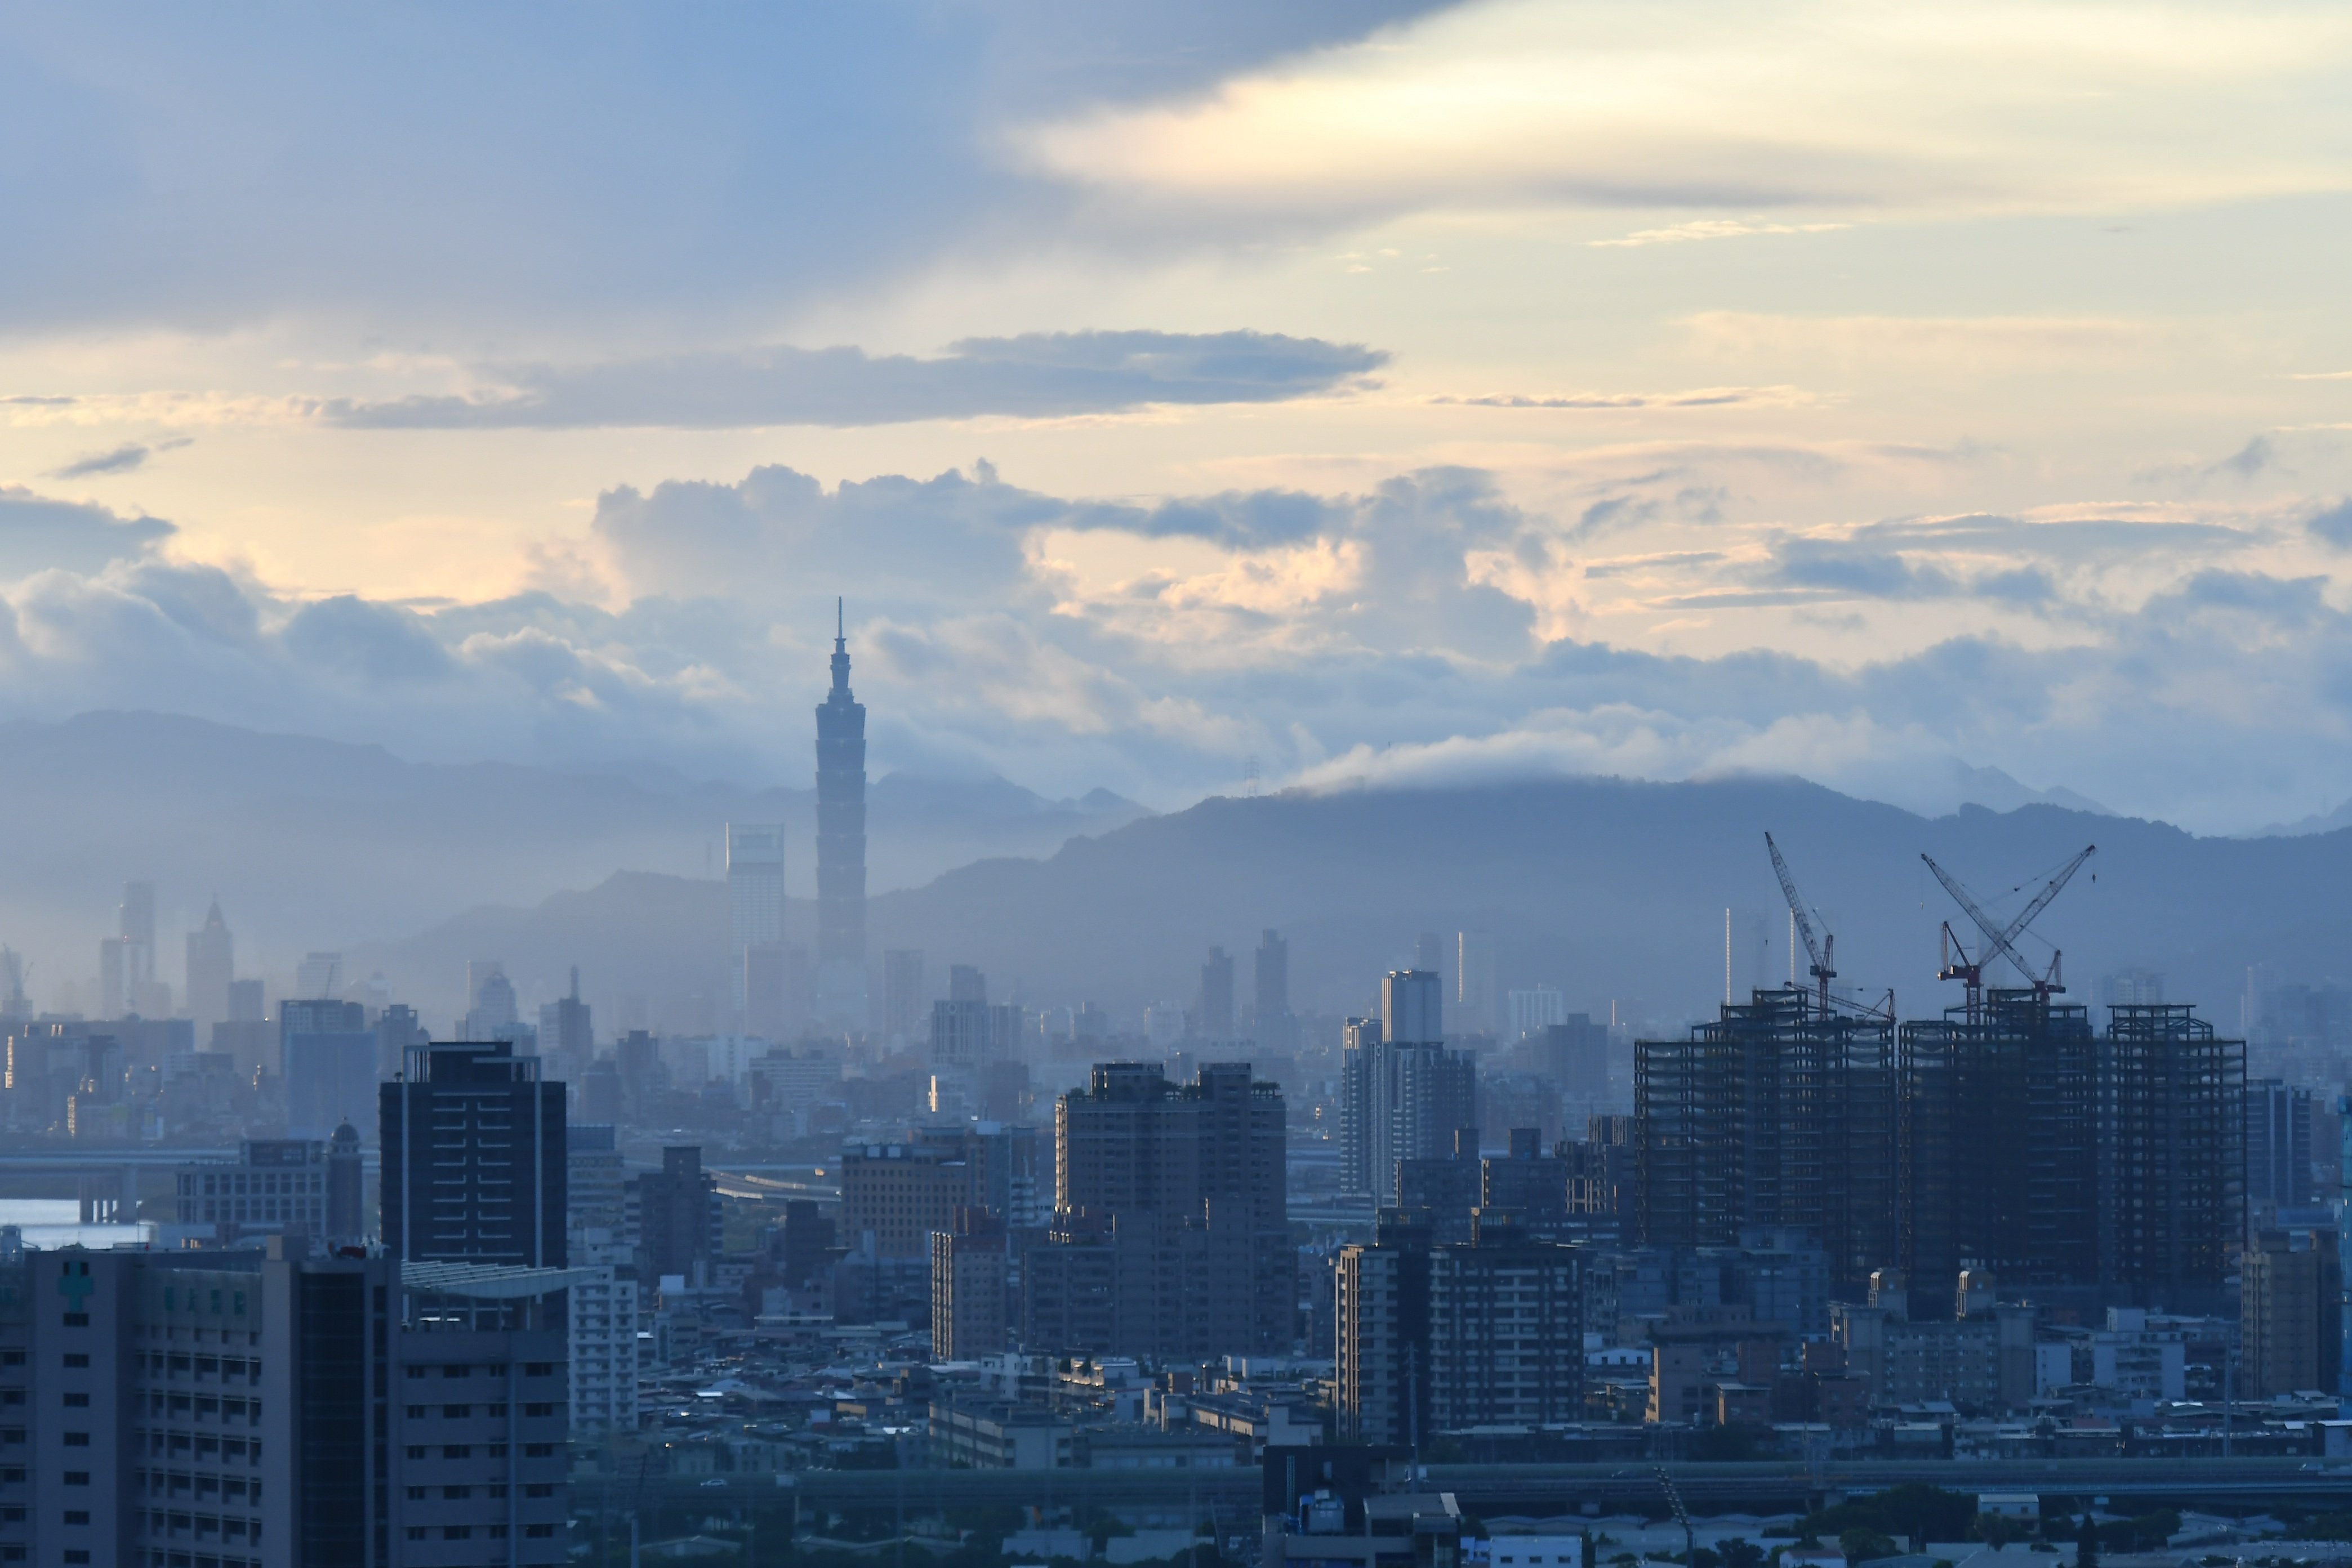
x=2000, y=1146
x=1777, y=1113
x=2172, y=1154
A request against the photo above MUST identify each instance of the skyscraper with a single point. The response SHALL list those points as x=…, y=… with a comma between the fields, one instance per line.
x=1216, y=1015
x=475, y=1169
x=327, y=1055
x=902, y=994
x=755, y=906
x=840, y=847
x=319, y=975
x=490, y=1013
x=1402, y=1095
x=1476, y=991
x=1271, y=1020
x=212, y=964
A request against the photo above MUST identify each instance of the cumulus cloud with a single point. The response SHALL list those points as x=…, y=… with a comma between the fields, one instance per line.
x=121, y=460
x=1035, y=375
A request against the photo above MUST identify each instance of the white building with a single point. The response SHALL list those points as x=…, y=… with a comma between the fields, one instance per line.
x=604, y=1335
x=1537, y=1009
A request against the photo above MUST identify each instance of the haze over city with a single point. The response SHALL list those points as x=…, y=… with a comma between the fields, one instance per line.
x=1414, y=784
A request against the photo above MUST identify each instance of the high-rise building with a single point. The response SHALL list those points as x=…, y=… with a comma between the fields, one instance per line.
x=567, y=1035
x=212, y=967
x=840, y=1001
x=319, y=975
x=1273, y=1024
x=137, y=929
x=595, y=1187
x=1572, y=1052
x=327, y=1057
x=2292, y=1325
x=491, y=1010
x=2172, y=1158
x=474, y=1158
x=2278, y=1145
x=1776, y=1114
x=1506, y=1330
x=894, y=1195
x=397, y=1027
x=246, y=1004
x=903, y=994
x=1382, y=1333
x=604, y=1337
x=1534, y=1010
x=1477, y=990
x=1402, y=1094
x=243, y=1409
x=346, y=1187
x=755, y=906
x=677, y=1215
x=116, y=964
x=1169, y=1235
x=969, y=1311
x=1216, y=1004
x=14, y=1003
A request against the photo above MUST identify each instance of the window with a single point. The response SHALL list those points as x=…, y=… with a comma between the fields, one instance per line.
x=456, y=1532
x=539, y=1369
x=539, y=1409
x=77, y=1440
x=77, y=1401
x=416, y=1532
x=76, y=1554
x=77, y=1321
x=417, y=1413
x=77, y=1477
x=416, y=1372
x=456, y=1494
x=73, y=1358
x=456, y=1450
x=416, y=1494
x=539, y=1532
x=540, y=1488
x=456, y=1371
x=77, y=1516
x=456, y=1412
x=539, y=1450
x=416, y=1450
x=12, y=1515
x=12, y=1358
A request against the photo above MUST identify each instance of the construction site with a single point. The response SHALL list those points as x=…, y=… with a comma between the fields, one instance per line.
x=2012, y=1137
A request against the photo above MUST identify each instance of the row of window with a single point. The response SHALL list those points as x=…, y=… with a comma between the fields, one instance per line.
x=465, y=1532
x=465, y=1412
x=496, y=1493
x=200, y=1526
x=493, y=1369
x=248, y=1411
x=489, y=1450
x=180, y=1483
x=155, y=1364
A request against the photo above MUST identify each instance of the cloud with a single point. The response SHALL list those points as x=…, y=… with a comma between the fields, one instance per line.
x=123, y=459
x=2332, y=523
x=1700, y=397
x=39, y=534
x=1711, y=228
x=1035, y=375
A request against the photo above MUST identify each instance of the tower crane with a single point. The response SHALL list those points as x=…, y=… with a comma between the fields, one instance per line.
x=1821, y=951
x=2000, y=940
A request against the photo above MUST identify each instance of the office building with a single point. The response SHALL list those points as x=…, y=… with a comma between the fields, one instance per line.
x=1446, y=1189
x=1273, y=1024
x=474, y=1158
x=2291, y=1327
x=346, y=1188
x=567, y=1034
x=212, y=967
x=1214, y=1016
x=136, y=928
x=116, y=962
x=962, y=1029
x=1776, y=1114
x=1169, y=1235
x=2172, y=1127
x=1506, y=1330
x=326, y=1056
x=1402, y=1094
x=2278, y=1145
x=15, y=1004
x=755, y=905
x=243, y=1410
x=1534, y=1010
x=596, y=1191
x=1601, y=1177
x=1476, y=991
x=904, y=995
x=1380, y=1335
x=1529, y=1184
x=840, y=1002
x=970, y=1307
x=678, y=1222
x=397, y=1027
x=1983, y=1362
x=491, y=1010
x=319, y=977
x=276, y=1186
x=895, y=1195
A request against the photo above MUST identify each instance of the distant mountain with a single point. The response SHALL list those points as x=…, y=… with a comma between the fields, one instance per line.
x=1609, y=890
x=1938, y=786
x=2326, y=822
x=316, y=844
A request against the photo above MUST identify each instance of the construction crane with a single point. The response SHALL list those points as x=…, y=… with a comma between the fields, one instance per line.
x=1822, y=952
x=2000, y=940
x=1682, y=1514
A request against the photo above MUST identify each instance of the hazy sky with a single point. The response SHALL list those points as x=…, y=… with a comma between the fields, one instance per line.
x=1380, y=389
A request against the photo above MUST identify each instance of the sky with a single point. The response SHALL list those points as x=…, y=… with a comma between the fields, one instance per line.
x=1184, y=397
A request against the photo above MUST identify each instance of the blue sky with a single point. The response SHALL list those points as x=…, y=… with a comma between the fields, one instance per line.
x=1355, y=390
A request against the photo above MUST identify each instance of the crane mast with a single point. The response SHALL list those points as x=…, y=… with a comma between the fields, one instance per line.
x=2000, y=940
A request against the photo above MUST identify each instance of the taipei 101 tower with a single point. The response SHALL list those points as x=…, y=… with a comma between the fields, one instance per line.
x=840, y=999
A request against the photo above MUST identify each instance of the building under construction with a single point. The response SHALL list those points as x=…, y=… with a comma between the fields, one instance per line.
x=1782, y=1111
x=2001, y=1149
x=2172, y=1156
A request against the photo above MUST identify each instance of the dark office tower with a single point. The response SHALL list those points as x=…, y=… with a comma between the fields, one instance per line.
x=1382, y=1333
x=2278, y=1145
x=961, y=1027
x=2172, y=1156
x=567, y=1035
x=1774, y=1114
x=1506, y=1330
x=678, y=1214
x=474, y=1158
x=2291, y=1327
x=1217, y=995
x=1402, y=1095
x=346, y=1190
x=2000, y=1162
x=840, y=846
x=903, y=999
x=212, y=965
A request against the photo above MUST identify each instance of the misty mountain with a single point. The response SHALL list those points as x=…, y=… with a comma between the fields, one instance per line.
x=316, y=844
x=1612, y=890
